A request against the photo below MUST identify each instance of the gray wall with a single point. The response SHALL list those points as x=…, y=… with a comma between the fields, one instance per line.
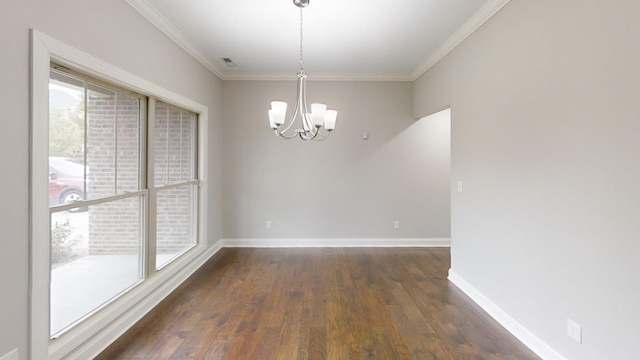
x=114, y=32
x=545, y=112
x=344, y=187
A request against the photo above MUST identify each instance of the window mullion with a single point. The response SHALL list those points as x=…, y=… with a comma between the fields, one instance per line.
x=115, y=140
x=85, y=135
x=142, y=184
x=177, y=185
x=97, y=201
x=152, y=199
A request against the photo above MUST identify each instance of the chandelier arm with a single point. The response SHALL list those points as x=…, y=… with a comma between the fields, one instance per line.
x=313, y=131
x=302, y=93
x=296, y=111
x=320, y=136
x=309, y=131
x=282, y=135
x=291, y=121
x=308, y=135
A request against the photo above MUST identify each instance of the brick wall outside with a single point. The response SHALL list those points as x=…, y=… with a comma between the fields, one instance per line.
x=113, y=160
x=174, y=132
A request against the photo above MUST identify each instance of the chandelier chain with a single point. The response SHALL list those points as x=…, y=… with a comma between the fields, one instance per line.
x=301, y=38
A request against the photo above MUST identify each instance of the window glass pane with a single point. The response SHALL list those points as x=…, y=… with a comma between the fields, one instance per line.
x=66, y=139
x=127, y=144
x=174, y=148
x=94, y=140
x=95, y=256
x=175, y=222
x=113, y=142
x=188, y=147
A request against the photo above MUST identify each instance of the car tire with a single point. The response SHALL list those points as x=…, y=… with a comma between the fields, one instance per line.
x=70, y=196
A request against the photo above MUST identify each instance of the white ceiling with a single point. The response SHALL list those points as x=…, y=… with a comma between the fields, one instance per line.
x=356, y=39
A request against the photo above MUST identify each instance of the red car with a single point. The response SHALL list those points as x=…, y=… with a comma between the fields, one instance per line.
x=66, y=181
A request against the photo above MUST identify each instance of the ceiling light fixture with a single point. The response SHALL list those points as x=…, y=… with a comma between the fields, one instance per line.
x=314, y=123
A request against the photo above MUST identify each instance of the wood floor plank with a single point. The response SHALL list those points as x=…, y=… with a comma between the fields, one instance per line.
x=313, y=304
x=317, y=344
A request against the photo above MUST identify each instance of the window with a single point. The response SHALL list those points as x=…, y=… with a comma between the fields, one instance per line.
x=175, y=185
x=94, y=195
x=115, y=195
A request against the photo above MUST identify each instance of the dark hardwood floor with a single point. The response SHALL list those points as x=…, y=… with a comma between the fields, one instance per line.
x=333, y=304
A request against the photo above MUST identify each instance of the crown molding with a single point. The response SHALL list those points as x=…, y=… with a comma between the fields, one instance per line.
x=291, y=76
x=163, y=24
x=474, y=23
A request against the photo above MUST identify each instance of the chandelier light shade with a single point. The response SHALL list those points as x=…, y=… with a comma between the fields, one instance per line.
x=308, y=125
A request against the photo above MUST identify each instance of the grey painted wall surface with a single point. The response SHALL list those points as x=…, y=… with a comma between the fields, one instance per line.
x=114, y=32
x=344, y=187
x=545, y=112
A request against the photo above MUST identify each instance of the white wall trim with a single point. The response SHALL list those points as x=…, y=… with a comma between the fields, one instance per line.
x=512, y=325
x=163, y=24
x=333, y=242
x=162, y=286
x=69, y=56
x=39, y=253
x=478, y=19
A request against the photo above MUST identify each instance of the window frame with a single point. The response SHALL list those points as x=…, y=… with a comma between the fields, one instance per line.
x=86, y=339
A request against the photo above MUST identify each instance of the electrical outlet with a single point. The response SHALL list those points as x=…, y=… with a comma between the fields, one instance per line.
x=268, y=225
x=574, y=330
x=396, y=224
x=13, y=355
x=459, y=186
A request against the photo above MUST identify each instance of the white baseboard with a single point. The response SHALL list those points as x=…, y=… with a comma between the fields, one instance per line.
x=332, y=242
x=512, y=325
x=12, y=355
x=163, y=286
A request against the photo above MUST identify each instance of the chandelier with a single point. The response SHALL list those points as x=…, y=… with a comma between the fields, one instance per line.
x=313, y=125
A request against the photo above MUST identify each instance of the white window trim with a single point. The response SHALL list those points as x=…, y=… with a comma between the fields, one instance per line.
x=90, y=337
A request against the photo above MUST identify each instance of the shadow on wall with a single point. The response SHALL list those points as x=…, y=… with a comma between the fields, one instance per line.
x=345, y=187
x=418, y=160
